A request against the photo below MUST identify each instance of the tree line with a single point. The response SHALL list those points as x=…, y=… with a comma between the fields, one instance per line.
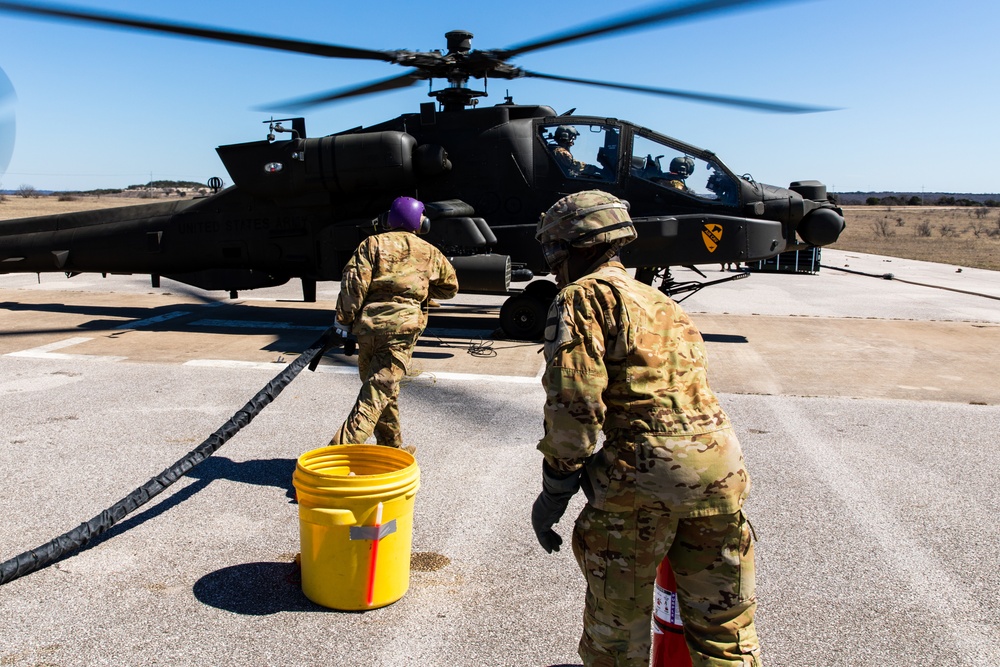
x=915, y=200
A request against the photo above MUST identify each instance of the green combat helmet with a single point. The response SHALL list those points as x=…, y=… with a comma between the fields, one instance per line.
x=583, y=219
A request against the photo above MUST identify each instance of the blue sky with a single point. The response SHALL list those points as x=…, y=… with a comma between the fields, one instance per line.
x=916, y=84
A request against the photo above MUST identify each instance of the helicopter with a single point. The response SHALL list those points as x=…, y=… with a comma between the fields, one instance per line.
x=300, y=204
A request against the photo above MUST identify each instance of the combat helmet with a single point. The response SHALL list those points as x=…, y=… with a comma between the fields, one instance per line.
x=583, y=219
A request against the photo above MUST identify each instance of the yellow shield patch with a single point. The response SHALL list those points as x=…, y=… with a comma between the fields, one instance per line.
x=712, y=234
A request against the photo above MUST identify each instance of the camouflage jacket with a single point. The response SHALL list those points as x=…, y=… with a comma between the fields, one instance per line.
x=567, y=161
x=624, y=359
x=388, y=280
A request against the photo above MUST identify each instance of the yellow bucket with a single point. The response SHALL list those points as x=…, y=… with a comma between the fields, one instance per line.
x=352, y=558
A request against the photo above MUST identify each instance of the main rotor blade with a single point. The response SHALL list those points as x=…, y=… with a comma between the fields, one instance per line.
x=640, y=20
x=741, y=102
x=402, y=81
x=250, y=39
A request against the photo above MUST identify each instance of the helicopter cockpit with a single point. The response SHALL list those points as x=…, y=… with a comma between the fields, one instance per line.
x=583, y=151
x=671, y=168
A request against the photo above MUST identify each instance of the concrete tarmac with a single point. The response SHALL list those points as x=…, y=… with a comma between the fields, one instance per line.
x=868, y=410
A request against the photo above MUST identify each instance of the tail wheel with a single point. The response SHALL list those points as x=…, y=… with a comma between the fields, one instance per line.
x=522, y=317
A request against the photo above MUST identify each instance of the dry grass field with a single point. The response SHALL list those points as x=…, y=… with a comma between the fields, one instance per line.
x=961, y=236
x=13, y=206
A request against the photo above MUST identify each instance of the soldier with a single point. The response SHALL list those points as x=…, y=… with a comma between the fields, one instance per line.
x=565, y=136
x=384, y=289
x=669, y=480
x=680, y=169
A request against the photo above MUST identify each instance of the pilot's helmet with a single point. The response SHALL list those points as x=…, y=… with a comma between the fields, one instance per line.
x=682, y=165
x=566, y=133
x=406, y=213
x=583, y=219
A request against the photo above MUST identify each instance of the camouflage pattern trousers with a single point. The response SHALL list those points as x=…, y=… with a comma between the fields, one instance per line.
x=712, y=559
x=383, y=360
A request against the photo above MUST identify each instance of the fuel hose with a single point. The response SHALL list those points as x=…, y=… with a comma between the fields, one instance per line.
x=890, y=276
x=54, y=550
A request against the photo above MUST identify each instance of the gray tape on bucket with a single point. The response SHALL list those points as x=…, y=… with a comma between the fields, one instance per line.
x=369, y=532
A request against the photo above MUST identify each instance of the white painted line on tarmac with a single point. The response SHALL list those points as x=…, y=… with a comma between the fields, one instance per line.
x=287, y=326
x=251, y=324
x=45, y=352
x=64, y=285
x=232, y=363
x=432, y=377
x=424, y=377
x=166, y=316
x=153, y=320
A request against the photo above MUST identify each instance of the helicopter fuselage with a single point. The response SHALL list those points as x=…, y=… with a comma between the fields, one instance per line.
x=299, y=207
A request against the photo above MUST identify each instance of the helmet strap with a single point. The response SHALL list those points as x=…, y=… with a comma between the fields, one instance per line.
x=597, y=232
x=611, y=251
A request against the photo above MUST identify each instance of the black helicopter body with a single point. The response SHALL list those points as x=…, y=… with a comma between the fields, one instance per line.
x=299, y=206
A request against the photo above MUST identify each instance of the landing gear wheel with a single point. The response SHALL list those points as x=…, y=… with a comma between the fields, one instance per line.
x=543, y=290
x=522, y=317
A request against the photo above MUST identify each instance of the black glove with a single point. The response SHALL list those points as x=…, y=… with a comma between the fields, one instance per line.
x=551, y=504
x=347, y=339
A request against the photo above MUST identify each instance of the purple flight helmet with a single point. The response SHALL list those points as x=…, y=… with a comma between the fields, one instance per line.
x=406, y=213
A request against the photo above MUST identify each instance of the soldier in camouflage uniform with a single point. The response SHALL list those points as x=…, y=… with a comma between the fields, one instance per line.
x=669, y=480
x=565, y=136
x=680, y=169
x=382, y=295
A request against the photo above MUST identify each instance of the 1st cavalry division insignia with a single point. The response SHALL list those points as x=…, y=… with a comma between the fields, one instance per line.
x=712, y=234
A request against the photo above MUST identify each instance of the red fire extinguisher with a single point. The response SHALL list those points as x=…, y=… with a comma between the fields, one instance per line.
x=669, y=647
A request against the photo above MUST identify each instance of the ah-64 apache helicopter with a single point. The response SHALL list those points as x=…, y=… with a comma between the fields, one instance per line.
x=300, y=205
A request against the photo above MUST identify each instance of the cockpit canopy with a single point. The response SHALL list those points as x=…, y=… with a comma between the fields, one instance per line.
x=589, y=151
x=667, y=166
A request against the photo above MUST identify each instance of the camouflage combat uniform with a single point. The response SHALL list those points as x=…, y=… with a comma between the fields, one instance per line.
x=382, y=293
x=676, y=181
x=566, y=160
x=669, y=480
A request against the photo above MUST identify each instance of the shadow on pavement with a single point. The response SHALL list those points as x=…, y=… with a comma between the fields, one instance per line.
x=259, y=472
x=255, y=589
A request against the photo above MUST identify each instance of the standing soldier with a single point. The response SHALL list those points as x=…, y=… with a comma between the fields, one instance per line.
x=669, y=480
x=383, y=294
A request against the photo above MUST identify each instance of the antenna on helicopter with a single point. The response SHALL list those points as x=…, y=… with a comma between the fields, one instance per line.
x=298, y=129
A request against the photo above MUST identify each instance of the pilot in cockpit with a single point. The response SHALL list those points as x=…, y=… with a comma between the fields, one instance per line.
x=565, y=136
x=680, y=169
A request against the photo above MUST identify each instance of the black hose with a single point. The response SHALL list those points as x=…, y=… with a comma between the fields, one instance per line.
x=889, y=276
x=39, y=557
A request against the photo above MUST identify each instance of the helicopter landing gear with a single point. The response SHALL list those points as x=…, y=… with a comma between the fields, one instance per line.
x=543, y=290
x=522, y=316
x=309, y=290
x=672, y=288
